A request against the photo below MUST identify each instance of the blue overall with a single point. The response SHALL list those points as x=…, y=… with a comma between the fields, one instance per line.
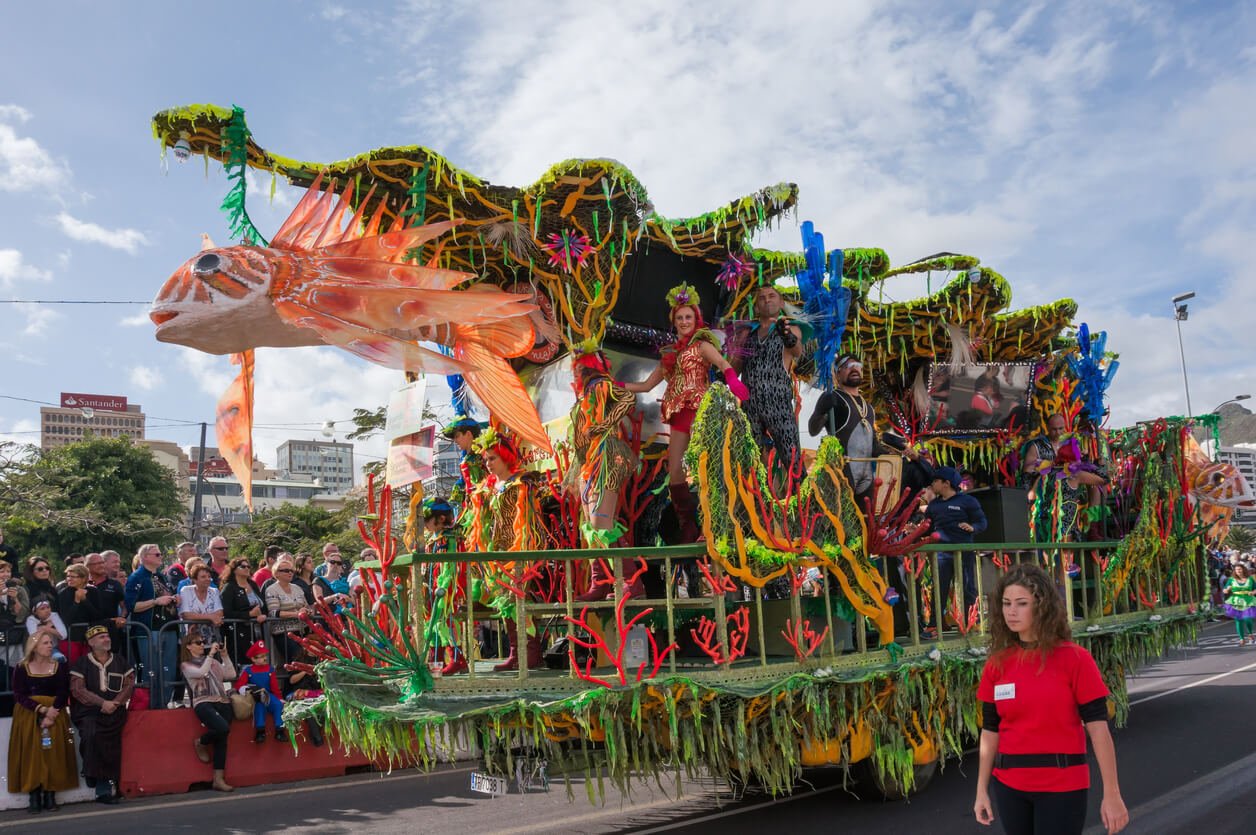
x=260, y=676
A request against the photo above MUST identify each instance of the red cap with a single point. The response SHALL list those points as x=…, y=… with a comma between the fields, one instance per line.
x=258, y=648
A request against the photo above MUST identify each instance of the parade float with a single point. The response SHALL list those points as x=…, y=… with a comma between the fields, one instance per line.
x=402, y=258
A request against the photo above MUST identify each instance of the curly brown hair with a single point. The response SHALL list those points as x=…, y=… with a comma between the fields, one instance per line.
x=1050, y=617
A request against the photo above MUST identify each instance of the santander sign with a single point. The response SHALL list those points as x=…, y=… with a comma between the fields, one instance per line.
x=104, y=402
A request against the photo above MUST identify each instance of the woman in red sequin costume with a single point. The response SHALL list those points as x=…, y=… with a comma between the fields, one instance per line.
x=686, y=367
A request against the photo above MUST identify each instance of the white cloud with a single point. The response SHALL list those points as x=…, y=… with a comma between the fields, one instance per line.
x=13, y=268
x=139, y=320
x=39, y=318
x=128, y=240
x=23, y=431
x=24, y=164
x=145, y=377
x=296, y=389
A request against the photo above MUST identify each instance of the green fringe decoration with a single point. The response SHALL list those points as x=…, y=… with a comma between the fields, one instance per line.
x=235, y=141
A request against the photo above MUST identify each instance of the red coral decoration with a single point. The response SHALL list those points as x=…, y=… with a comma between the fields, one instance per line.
x=724, y=584
x=617, y=657
x=888, y=534
x=380, y=536
x=704, y=637
x=803, y=638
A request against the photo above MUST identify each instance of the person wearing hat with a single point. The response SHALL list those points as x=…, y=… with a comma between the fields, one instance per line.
x=463, y=432
x=259, y=681
x=763, y=352
x=100, y=687
x=686, y=366
x=448, y=582
x=953, y=517
x=849, y=417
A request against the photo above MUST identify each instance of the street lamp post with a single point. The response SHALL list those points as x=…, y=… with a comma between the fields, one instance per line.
x=1179, y=316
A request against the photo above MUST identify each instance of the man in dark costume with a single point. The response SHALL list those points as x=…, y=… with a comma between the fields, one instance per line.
x=850, y=418
x=100, y=685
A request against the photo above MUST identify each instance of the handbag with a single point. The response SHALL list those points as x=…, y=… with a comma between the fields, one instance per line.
x=242, y=706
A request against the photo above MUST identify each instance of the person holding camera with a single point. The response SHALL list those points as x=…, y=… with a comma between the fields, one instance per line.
x=205, y=671
x=15, y=606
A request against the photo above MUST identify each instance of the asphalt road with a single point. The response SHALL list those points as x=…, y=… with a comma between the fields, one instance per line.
x=1186, y=764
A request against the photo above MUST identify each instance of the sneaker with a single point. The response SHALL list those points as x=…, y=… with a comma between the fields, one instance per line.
x=929, y=633
x=259, y=736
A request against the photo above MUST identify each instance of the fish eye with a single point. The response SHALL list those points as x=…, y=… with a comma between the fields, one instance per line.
x=207, y=263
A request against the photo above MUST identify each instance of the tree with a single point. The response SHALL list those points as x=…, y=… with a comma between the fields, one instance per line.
x=305, y=528
x=91, y=495
x=1240, y=538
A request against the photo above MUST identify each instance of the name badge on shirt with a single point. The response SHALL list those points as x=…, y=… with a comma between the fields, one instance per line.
x=1004, y=691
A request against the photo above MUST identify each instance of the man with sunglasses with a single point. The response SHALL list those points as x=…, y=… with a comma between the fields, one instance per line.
x=218, y=556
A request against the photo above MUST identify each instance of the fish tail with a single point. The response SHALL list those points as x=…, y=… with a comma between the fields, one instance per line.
x=497, y=386
x=233, y=424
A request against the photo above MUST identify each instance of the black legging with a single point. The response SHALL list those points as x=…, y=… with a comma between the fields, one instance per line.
x=1036, y=813
x=216, y=716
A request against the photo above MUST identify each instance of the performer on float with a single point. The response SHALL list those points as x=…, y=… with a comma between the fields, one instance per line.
x=463, y=433
x=513, y=524
x=448, y=584
x=686, y=366
x=603, y=461
x=850, y=418
x=764, y=352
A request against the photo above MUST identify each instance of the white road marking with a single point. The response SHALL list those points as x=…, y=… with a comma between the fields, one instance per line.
x=1155, y=696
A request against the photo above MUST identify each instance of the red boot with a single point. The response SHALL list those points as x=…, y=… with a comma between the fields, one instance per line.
x=458, y=665
x=601, y=584
x=536, y=656
x=627, y=568
x=512, y=660
x=683, y=504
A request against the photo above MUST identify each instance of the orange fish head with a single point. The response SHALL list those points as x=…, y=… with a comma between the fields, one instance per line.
x=1223, y=485
x=219, y=300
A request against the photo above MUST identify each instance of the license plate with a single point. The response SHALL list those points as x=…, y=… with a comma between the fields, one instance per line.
x=488, y=784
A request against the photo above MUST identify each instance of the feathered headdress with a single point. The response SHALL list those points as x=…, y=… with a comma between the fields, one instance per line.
x=589, y=354
x=499, y=442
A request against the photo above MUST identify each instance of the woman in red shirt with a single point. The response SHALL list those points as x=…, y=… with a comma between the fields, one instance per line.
x=1041, y=694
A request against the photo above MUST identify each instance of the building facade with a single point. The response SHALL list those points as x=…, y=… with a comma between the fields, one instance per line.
x=105, y=416
x=330, y=462
x=222, y=498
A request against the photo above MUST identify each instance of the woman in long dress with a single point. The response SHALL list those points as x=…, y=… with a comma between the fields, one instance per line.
x=41, y=749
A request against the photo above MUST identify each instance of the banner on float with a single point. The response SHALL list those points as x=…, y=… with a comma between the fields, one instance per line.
x=410, y=458
x=405, y=410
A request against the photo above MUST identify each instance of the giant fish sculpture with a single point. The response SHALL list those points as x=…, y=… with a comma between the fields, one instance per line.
x=324, y=282
x=1218, y=489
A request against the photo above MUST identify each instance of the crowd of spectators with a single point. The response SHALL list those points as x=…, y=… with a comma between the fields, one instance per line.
x=91, y=636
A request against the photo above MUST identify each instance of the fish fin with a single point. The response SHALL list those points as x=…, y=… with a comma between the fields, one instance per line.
x=233, y=424
x=390, y=246
x=354, y=228
x=511, y=337
x=396, y=310
x=285, y=237
x=384, y=349
x=497, y=385
x=207, y=242
x=354, y=270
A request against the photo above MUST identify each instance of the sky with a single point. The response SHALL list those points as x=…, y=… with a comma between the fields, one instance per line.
x=1101, y=151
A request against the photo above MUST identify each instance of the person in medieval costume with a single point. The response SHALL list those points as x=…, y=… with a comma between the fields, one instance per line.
x=686, y=367
x=603, y=462
x=849, y=417
x=763, y=351
x=100, y=686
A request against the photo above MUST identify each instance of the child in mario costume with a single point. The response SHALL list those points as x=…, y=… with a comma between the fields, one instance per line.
x=258, y=680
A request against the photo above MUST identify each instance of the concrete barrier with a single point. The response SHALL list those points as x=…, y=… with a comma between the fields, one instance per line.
x=157, y=756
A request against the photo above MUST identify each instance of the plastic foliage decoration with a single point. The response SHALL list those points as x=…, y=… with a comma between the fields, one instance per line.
x=733, y=271
x=566, y=247
x=1093, y=371
x=235, y=142
x=824, y=306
